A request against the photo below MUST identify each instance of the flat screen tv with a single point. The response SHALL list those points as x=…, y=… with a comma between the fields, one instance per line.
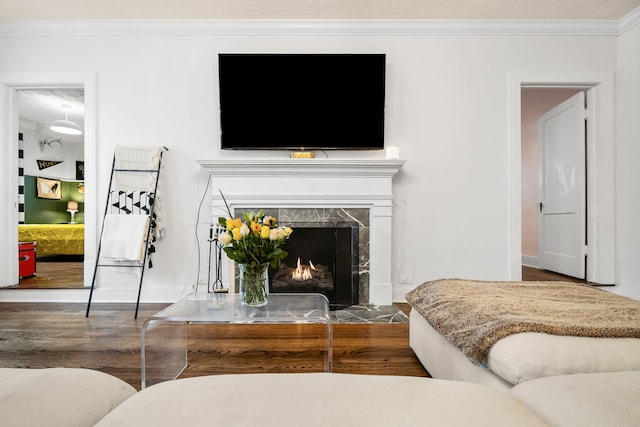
x=302, y=101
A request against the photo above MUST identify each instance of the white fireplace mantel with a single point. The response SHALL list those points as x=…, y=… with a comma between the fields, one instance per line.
x=316, y=183
x=335, y=167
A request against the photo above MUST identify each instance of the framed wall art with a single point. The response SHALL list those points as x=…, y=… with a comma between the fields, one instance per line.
x=49, y=188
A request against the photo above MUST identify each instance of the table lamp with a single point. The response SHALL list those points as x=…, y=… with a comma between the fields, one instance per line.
x=72, y=208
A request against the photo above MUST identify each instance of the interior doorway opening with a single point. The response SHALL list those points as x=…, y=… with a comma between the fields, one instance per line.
x=10, y=86
x=600, y=168
x=51, y=187
x=535, y=102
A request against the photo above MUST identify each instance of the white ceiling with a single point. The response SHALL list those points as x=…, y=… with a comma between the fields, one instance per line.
x=37, y=108
x=70, y=10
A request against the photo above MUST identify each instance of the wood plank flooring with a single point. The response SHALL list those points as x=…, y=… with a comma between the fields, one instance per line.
x=530, y=274
x=59, y=274
x=39, y=335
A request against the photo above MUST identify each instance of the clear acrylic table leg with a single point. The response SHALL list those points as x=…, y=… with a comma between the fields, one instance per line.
x=163, y=351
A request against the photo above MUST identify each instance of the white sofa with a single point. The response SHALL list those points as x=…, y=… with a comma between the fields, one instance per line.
x=319, y=399
x=58, y=397
x=78, y=397
x=585, y=400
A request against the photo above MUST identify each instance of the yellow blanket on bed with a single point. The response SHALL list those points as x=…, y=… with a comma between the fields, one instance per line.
x=474, y=315
x=54, y=239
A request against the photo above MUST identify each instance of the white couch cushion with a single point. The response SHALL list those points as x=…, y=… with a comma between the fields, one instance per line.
x=527, y=356
x=319, y=399
x=585, y=400
x=63, y=397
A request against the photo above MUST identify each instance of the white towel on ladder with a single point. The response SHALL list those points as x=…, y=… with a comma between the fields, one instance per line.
x=124, y=237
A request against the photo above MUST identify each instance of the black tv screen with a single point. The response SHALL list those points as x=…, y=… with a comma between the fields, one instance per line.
x=302, y=101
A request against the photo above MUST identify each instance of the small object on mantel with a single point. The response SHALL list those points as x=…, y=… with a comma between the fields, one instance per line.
x=303, y=155
x=392, y=152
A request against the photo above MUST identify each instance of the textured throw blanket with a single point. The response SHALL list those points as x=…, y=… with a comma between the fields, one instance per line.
x=473, y=315
x=141, y=159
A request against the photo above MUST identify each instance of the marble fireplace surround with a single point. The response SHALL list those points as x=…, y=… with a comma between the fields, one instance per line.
x=315, y=184
x=357, y=218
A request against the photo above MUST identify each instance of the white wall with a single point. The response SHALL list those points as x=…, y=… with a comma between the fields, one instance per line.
x=447, y=110
x=68, y=153
x=628, y=164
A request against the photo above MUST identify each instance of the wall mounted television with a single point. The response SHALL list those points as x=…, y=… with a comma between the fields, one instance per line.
x=302, y=101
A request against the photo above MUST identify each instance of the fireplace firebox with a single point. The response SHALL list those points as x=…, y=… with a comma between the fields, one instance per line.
x=322, y=258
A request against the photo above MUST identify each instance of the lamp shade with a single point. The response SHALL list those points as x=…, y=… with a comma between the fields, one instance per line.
x=66, y=127
x=72, y=206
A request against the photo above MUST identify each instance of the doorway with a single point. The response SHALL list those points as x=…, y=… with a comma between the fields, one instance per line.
x=11, y=85
x=535, y=102
x=51, y=155
x=600, y=170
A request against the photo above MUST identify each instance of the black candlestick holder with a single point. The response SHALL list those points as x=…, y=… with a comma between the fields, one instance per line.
x=215, y=286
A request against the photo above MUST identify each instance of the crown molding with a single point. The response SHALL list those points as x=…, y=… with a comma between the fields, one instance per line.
x=629, y=21
x=318, y=27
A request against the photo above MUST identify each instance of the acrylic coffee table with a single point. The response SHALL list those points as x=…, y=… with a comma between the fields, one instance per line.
x=164, y=335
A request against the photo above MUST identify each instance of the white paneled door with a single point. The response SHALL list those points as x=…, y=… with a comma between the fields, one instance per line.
x=562, y=188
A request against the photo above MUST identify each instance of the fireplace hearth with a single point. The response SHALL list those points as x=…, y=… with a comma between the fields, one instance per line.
x=322, y=258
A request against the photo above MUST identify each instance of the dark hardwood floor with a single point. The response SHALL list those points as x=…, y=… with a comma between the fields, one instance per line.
x=39, y=335
x=55, y=274
x=530, y=274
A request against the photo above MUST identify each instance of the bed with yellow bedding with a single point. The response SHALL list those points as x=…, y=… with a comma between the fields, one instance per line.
x=54, y=239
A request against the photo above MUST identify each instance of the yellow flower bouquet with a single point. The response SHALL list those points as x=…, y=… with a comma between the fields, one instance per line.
x=255, y=244
x=256, y=240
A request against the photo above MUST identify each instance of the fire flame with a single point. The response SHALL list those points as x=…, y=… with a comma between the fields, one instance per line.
x=303, y=272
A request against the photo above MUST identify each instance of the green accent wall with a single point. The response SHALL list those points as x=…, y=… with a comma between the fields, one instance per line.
x=46, y=211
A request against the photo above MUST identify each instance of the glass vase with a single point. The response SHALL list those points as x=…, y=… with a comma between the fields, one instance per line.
x=254, y=282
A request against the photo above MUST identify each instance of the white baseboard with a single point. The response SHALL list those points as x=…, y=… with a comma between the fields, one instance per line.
x=45, y=295
x=100, y=295
x=530, y=261
x=399, y=292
